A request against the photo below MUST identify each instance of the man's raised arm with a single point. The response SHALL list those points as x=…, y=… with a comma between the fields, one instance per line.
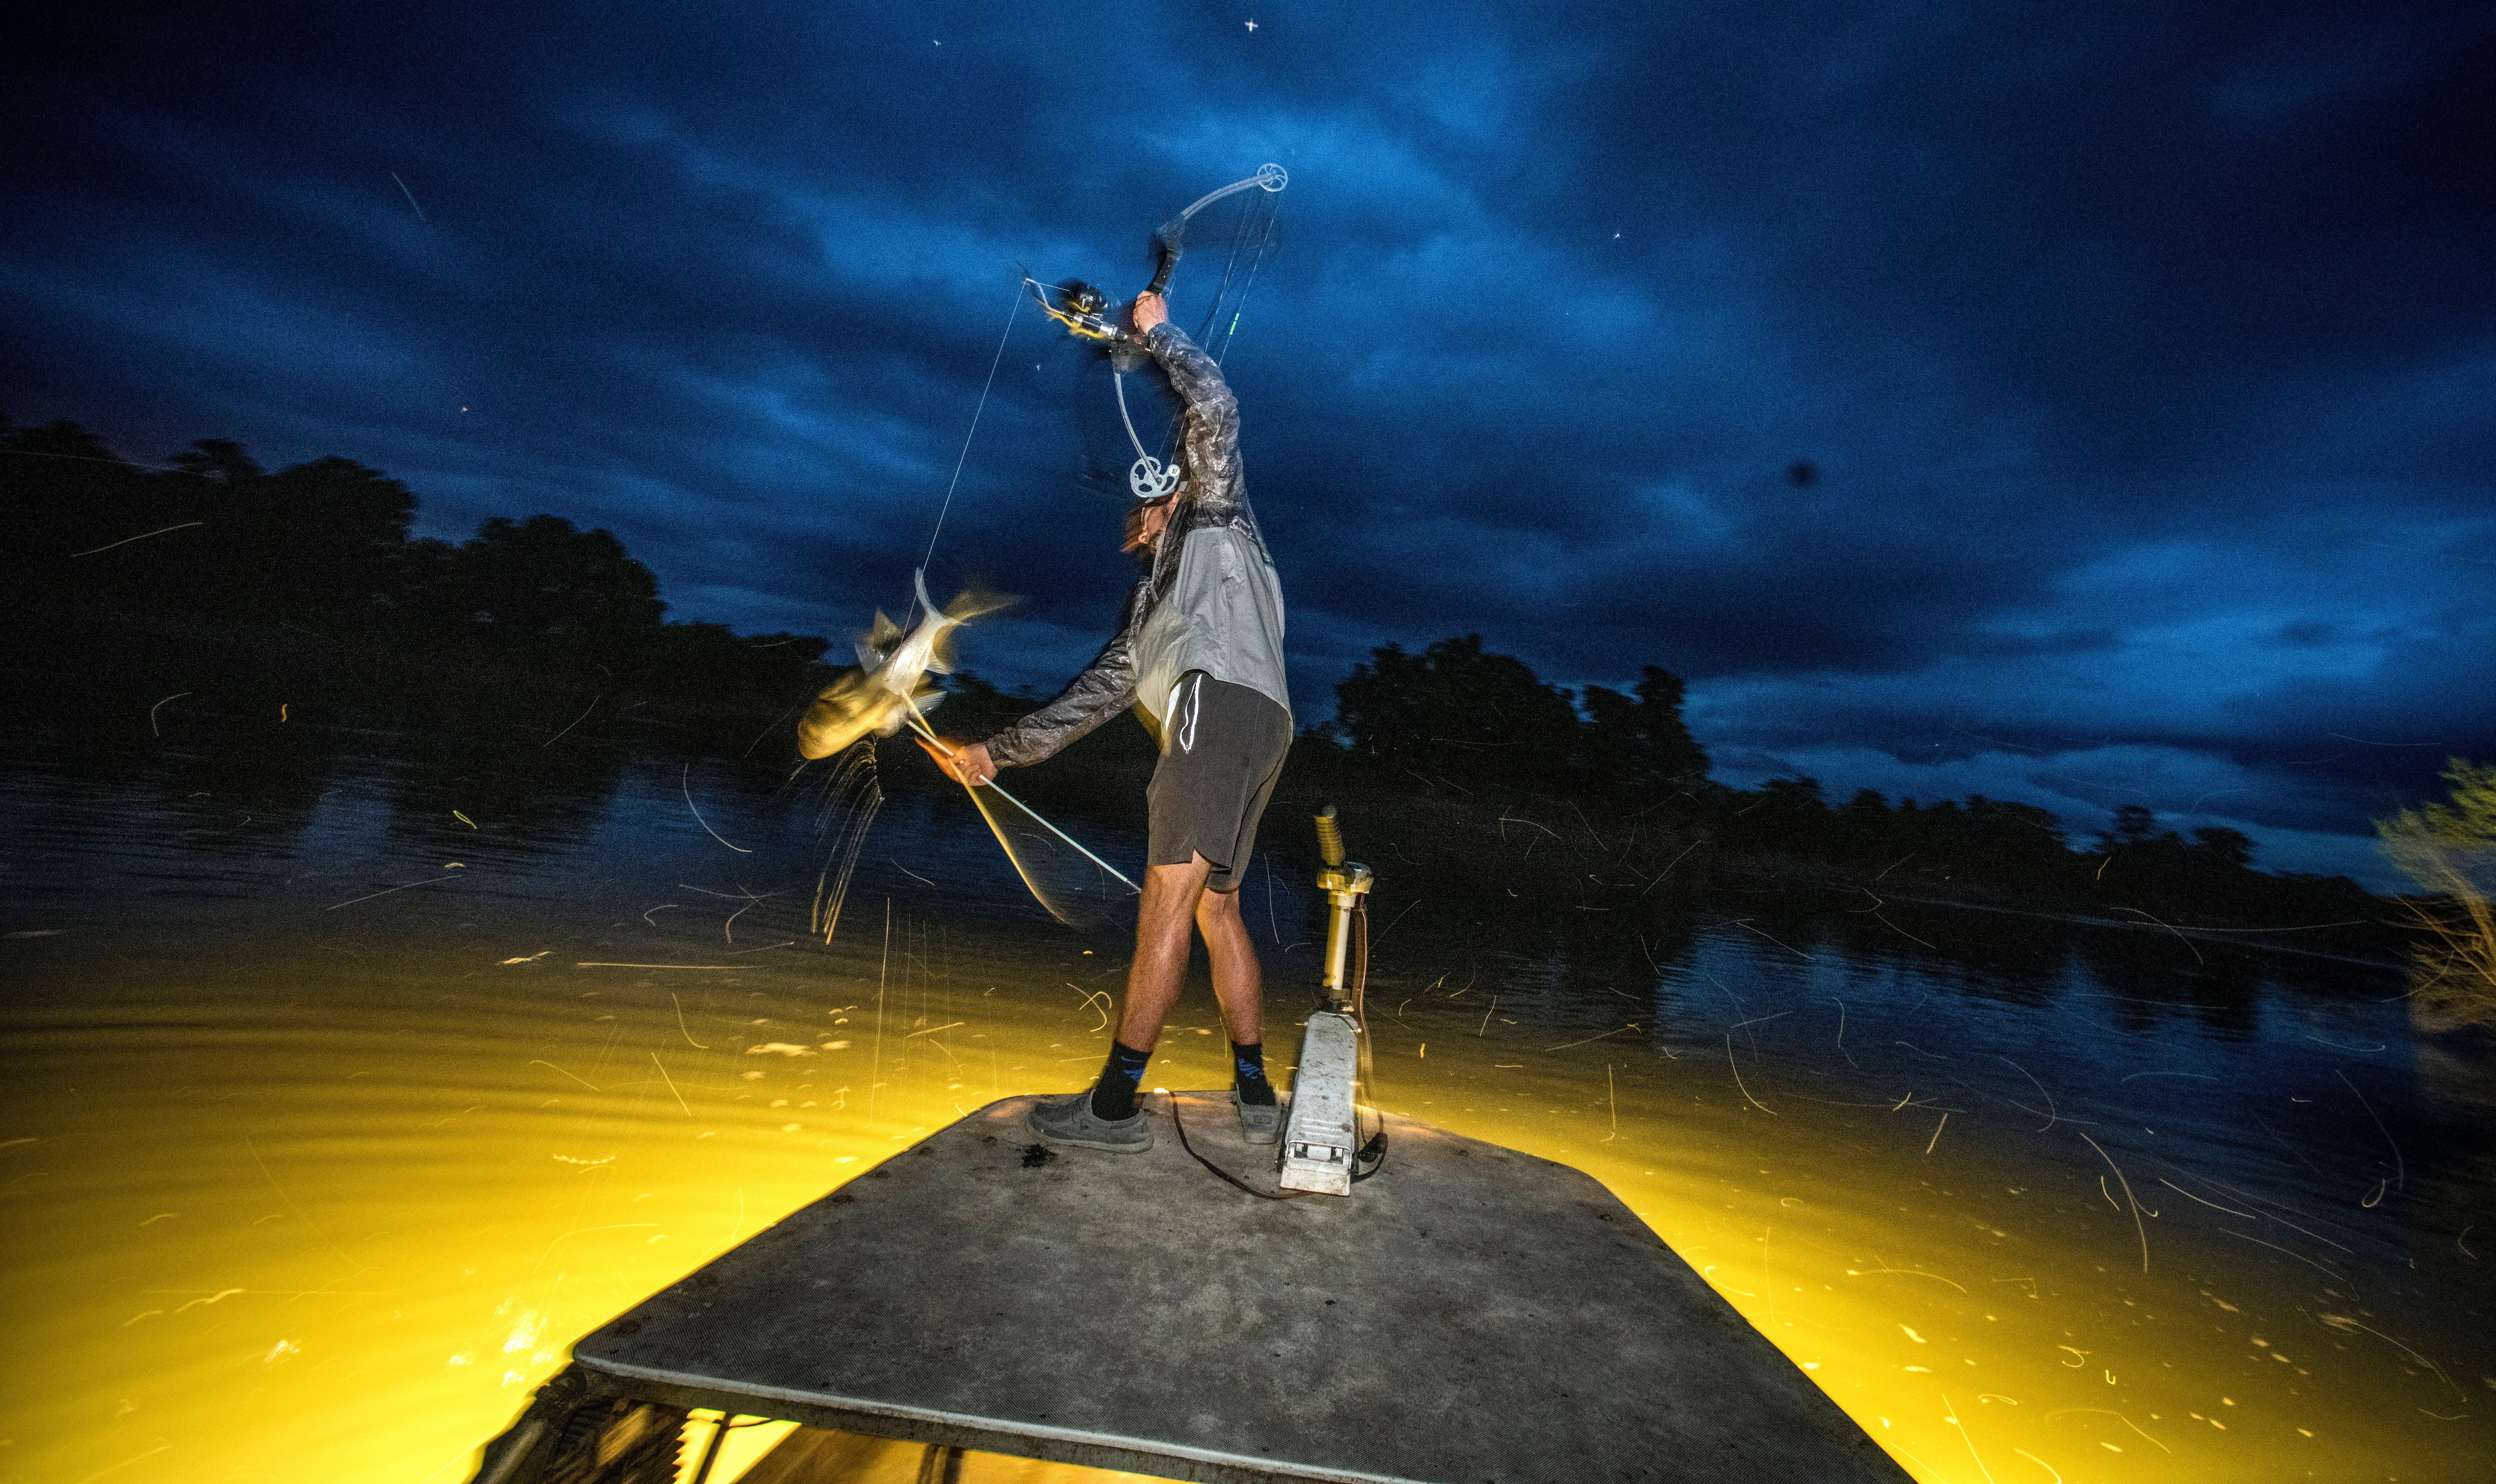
x=1213, y=432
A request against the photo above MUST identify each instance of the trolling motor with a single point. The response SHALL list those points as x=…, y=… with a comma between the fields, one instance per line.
x=1320, y=1141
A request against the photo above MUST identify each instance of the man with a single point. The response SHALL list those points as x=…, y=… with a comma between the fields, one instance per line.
x=1199, y=655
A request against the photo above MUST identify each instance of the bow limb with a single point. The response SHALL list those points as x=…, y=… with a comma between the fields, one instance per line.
x=1172, y=234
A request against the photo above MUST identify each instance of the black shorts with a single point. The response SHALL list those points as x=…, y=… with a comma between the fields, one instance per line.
x=1222, y=750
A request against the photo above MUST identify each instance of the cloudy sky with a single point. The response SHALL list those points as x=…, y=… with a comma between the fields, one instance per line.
x=2143, y=357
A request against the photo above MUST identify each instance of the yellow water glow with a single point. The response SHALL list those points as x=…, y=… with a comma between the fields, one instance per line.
x=287, y=1206
x=325, y=1208
x=1951, y=1296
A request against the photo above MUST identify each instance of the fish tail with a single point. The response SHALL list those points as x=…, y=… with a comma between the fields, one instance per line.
x=973, y=602
x=940, y=649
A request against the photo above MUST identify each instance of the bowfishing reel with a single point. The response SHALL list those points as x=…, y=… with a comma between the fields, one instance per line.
x=1082, y=309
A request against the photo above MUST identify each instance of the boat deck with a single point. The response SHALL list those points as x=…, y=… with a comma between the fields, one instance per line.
x=1471, y=1313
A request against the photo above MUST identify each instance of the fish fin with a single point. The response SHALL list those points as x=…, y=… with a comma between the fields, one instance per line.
x=878, y=641
x=973, y=602
x=919, y=584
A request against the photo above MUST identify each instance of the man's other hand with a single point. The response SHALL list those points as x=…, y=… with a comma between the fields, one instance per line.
x=1148, y=310
x=969, y=762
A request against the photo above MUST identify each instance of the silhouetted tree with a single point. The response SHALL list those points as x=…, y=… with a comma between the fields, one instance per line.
x=1788, y=815
x=2132, y=825
x=973, y=707
x=341, y=525
x=426, y=589
x=2015, y=842
x=709, y=664
x=1456, y=711
x=325, y=544
x=2212, y=869
x=1864, y=827
x=1642, y=743
x=2223, y=848
x=542, y=583
x=319, y=539
x=63, y=493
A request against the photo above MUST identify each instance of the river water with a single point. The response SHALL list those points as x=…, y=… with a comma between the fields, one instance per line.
x=350, y=1076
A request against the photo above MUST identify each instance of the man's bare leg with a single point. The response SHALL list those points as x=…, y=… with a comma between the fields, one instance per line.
x=1237, y=981
x=1175, y=905
x=1165, y=922
x=1109, y=1116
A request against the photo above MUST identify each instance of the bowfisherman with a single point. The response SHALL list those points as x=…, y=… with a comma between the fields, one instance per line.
x=1200, y=657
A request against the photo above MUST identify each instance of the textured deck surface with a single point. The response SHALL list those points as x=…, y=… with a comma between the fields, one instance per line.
x=1471, y=1315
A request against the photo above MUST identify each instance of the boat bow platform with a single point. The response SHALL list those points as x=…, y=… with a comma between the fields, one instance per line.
x=1471, y=1315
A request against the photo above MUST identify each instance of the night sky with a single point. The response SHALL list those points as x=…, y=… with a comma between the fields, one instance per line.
x=2082, y=405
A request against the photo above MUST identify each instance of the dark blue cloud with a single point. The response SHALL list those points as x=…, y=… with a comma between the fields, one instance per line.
x=2142, y=354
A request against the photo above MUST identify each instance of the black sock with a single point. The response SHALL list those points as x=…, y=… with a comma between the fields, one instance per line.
x=1114, y=1097
x=1248, y=1074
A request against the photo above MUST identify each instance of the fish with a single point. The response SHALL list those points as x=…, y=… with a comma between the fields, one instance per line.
x=891, y=682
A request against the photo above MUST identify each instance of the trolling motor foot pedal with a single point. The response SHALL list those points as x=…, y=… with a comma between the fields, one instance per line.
x=1320, y=1140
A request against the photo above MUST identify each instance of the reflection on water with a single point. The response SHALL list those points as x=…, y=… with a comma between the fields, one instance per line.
x=348, y=1083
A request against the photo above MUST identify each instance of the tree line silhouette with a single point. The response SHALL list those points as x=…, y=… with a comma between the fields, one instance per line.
x=324, y=548
x=1613, y=788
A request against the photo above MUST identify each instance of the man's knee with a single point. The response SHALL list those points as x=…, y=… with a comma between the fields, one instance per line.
x=1216, y=907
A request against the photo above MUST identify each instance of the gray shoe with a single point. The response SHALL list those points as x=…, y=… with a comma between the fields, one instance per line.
x=1070, y=1120
x=1258, y=1123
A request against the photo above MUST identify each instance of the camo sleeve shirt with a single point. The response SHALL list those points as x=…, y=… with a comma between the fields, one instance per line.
x=1213, y=602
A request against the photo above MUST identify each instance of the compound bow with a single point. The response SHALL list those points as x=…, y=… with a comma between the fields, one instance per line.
x=1086, y=313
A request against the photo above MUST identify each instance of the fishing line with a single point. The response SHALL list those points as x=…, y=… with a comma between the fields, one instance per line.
x=959, y=459
x=1149, y=477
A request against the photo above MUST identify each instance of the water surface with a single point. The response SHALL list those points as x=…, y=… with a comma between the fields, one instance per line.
x=350, y=1079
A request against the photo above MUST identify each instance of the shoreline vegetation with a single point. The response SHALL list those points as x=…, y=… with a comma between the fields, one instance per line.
x=2449, y=849
x=213, y=600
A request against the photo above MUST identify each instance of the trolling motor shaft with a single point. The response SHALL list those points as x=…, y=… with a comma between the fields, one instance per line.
x=1319, y=1141
x=1345, y=883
